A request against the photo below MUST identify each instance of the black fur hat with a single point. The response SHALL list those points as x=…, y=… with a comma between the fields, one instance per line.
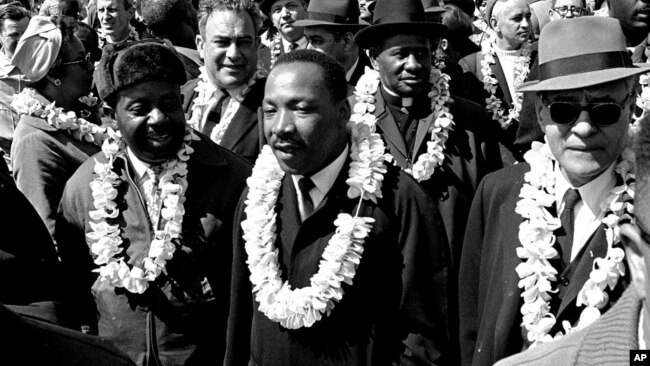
x=133, y=62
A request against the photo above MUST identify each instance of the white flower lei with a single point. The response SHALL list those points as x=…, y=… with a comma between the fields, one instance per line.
x=205, y=97
x=103, y=38
x=297, y=308
x=77, y=127
x=276, y=45
x=426, y=163
x=104, y=240
x=490, y=83
x=536, y=274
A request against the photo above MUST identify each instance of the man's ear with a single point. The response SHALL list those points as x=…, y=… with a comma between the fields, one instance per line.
x=373, y=53
x=199, y=45
x=539, y=107
x=348, y=41
x=494, y=23
x=635, y=248
x=346, y=111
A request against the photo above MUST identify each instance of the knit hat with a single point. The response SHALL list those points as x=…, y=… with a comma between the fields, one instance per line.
x=38, y=48
x=126, y=64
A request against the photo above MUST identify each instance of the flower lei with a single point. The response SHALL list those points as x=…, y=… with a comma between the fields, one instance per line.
x=536, y=274
x=104, y=240
x=427, y=162
x=77, y=127
x=103, y=38
x=205, y=97
x=297, y=308
x=490, y=83
x=276, y=50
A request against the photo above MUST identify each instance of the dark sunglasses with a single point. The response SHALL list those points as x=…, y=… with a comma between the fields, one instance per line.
x=602, y=114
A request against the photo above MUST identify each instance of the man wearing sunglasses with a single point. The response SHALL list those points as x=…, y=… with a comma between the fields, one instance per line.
x=535, y=229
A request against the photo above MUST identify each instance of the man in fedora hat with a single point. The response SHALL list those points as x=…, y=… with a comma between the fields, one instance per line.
x=223, y=101
x=284, y=36
x=330, y=27
x=507, y=58
x=538, y=233
x=441, y=140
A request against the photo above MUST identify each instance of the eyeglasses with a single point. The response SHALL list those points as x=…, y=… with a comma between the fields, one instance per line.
x=89, y=65
x=575, y=10
x=602, y=114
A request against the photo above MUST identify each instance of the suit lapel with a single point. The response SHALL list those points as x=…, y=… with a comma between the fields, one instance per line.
x=289, y=216
x=390, y=132
x=244, y=119
x=497, y=71
x=423, y=131
x=579, y=273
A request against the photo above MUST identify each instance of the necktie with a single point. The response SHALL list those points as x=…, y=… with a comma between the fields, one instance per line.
x=153, y=194
x=293, y=46
x=571, y=198
x=305, y=185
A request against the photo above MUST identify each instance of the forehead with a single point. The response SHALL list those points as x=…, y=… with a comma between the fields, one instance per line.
x=405, y=41
x=150, y=90
x=318, y=31
x=118, y=4
x=10, y=25
x=559, y=3
x=296, y=80
x=614, y=91
x=72, y=49
x=281, y=3
x=230, y=23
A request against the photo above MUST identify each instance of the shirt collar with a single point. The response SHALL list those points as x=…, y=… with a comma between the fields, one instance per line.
x=348, y=74
x=302, y=44
x=325, y=178
x=593, y=193
x=139, y=165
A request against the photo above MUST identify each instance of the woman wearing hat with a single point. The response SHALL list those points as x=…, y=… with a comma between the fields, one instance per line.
x=56, y=131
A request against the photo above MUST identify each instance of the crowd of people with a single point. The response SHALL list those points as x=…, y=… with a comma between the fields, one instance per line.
x=324, y=182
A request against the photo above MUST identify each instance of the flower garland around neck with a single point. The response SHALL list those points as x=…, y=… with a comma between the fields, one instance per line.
x=206, y=97
x=78, y=127
x=276, y=48
x=443, y=121
x=104, y=240
x=297, y=308
x=643, y=100
x=103, y=38
x=490, y=83
x=537, y=275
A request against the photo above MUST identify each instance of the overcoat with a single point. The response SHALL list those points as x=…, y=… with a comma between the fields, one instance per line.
x=393, y=313
x=489, y=294
x=180, y=319
x=243, y=135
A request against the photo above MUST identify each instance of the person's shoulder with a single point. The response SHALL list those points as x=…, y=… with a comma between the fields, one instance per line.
x=558, y=353
x=187, y=89
x=469, y=63
x=211, y=154
x=505, y=181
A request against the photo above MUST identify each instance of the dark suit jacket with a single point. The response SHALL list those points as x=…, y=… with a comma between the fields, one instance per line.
x=608, y=341
x=26, y=342
x=489, y=296
x=181, y=318
x=243, y=135
x=364, y=62
x=395, y=311
x=473, y=79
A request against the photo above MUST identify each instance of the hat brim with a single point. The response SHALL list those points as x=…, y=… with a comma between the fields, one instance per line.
x=368, y=36
x=583, y=80
x=322, y=23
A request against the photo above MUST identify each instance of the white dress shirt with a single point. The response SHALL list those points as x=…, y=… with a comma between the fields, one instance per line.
x=303, y=42
x=323, y=182
x=587, y=212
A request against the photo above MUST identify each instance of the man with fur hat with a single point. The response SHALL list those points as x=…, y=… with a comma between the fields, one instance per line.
x=340, y=258
x=330, y=27
x=145, y=226
x=440, y=139
x=223, y=101
x=540, y=255
x=506, y=60
x=284, y=36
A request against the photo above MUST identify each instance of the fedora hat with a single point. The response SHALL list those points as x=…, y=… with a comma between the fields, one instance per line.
x=398, y=16
x=343, y=14
x=582, y=52
x=432, y=10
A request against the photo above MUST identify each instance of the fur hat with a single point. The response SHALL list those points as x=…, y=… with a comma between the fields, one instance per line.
x=130, y=63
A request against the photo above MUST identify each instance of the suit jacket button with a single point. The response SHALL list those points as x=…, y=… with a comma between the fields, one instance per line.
x=564, y=281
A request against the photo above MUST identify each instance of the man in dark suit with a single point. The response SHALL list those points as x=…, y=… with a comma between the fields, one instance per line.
x=284, y=36
x=223, y=101
x=412, y=110
x=506, y=60
x=310, y=285
x=538, y=230
x=330, y=27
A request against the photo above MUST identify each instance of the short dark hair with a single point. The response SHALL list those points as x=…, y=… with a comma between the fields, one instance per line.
x=459, y=24
x=333, y=72
x=162, y=16
x=13, y=12
x=208, y=7
x=88, y=36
